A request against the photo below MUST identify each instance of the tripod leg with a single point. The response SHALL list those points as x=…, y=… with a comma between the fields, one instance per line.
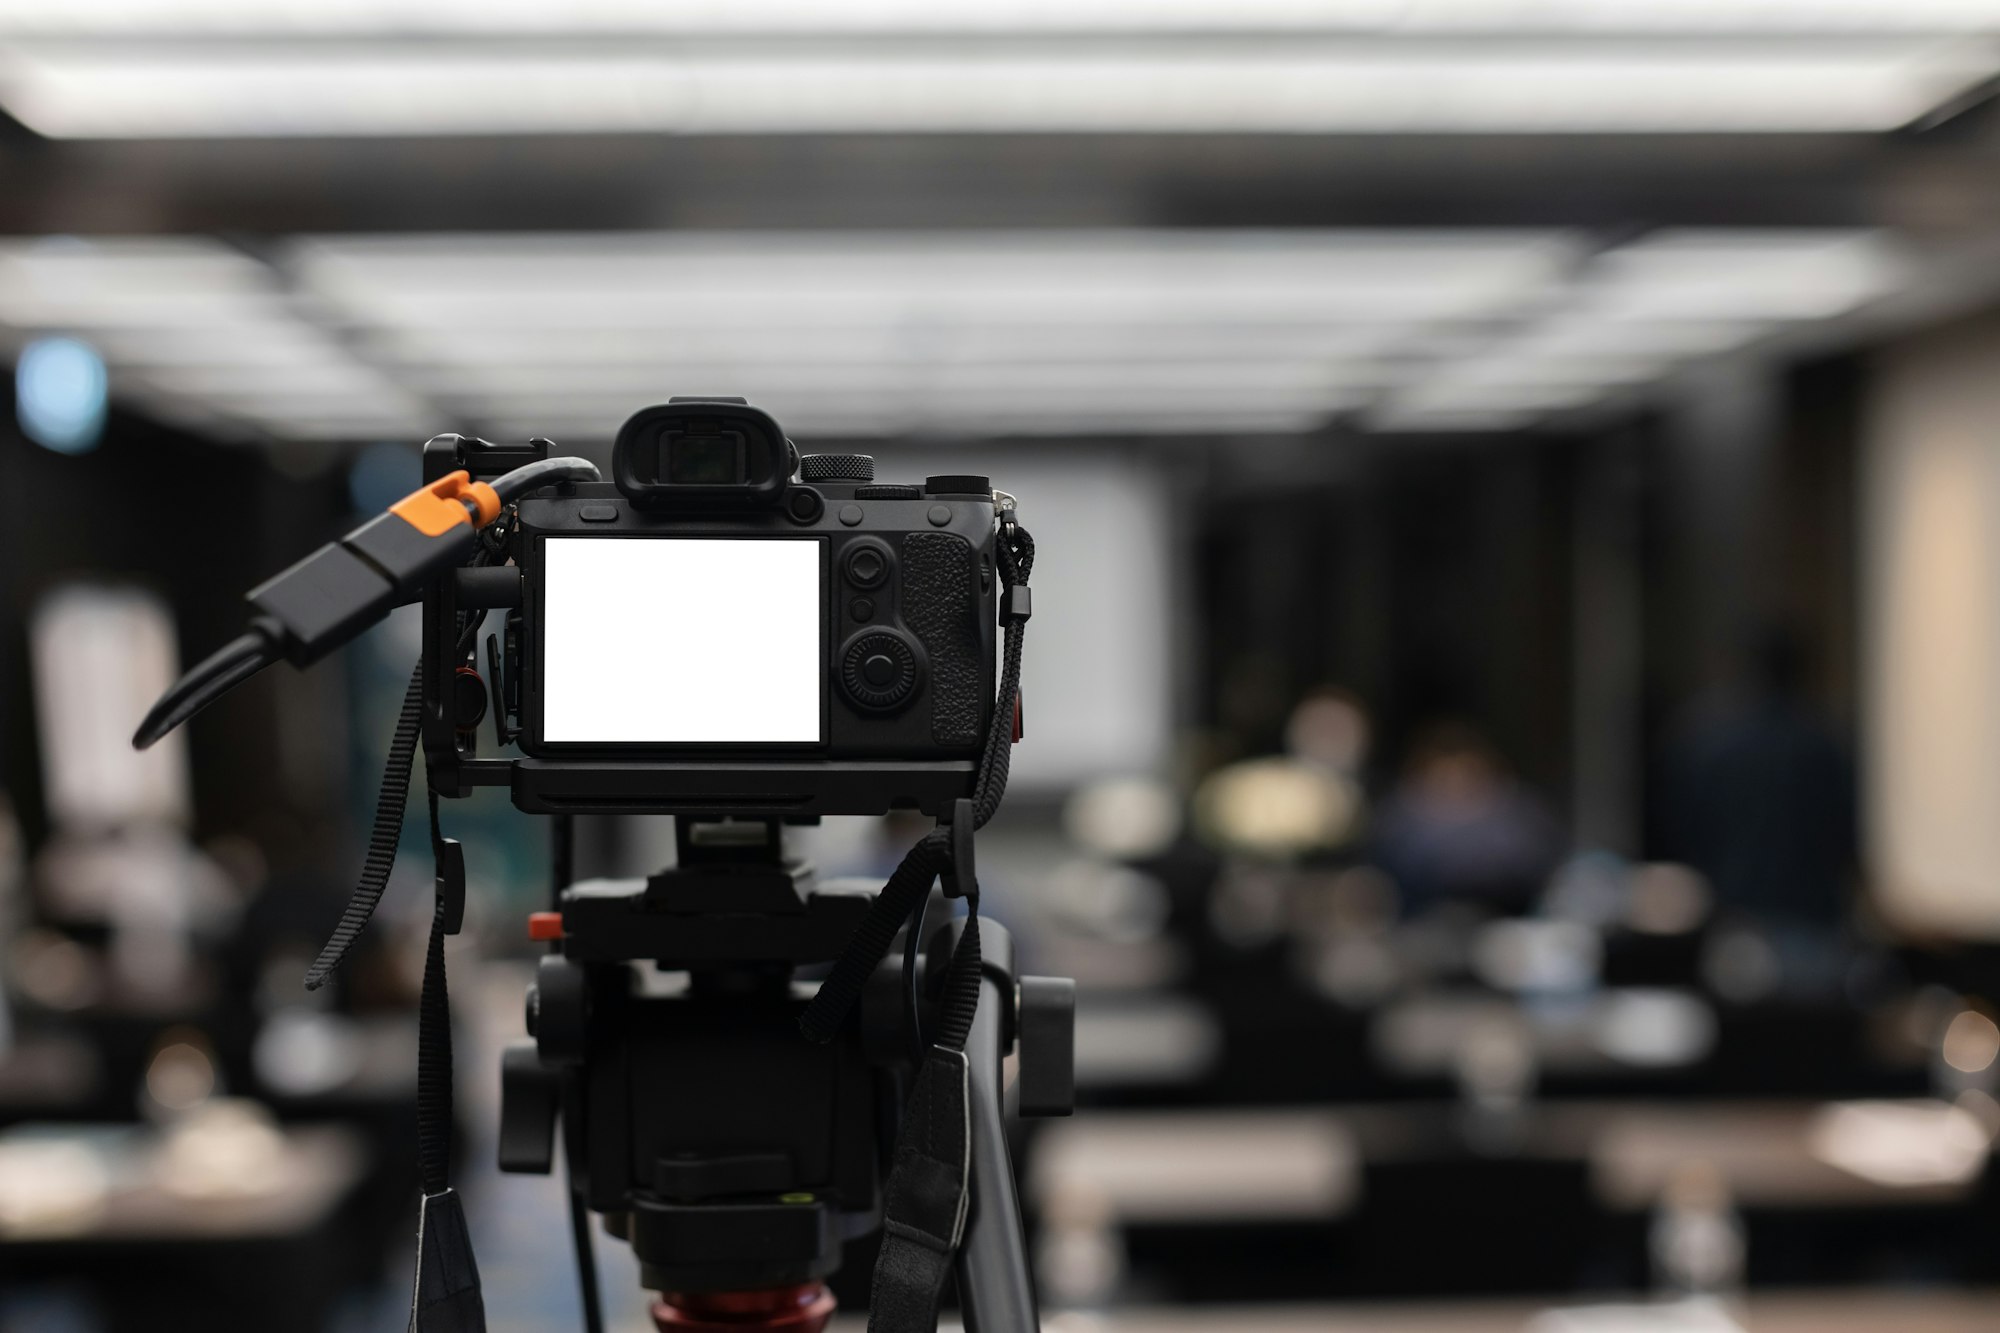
x=995, y=1289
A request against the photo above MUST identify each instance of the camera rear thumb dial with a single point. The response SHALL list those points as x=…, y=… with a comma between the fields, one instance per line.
x=879, y=670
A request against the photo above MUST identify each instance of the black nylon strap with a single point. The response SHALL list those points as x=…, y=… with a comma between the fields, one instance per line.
x=447, y=1297
x=434, y=1048
x=893, y=906
x=924, y=1209
x=382, y=840
x=958, y=998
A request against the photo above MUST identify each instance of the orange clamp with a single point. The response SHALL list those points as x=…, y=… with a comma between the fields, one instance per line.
x=442, y=505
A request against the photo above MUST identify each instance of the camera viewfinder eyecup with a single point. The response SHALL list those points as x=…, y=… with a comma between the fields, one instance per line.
x=702, y=454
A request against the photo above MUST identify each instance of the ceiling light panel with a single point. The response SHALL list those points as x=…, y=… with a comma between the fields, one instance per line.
x=967, y=329
x=843, y=282
x=282, y=342
x=699, y=18
x=1707, y=276
x=949, y=333
x=187, y=326
x=964, y=332
x=1219, y=342
x=88, y=285
x=155, y=89
x=1488, y=421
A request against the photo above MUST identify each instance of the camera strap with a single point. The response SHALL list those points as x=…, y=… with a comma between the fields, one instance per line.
x=928, y=1194
x=445, y=1297
x=383, y=838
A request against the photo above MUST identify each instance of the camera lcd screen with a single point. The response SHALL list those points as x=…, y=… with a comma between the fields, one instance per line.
x=682, y=640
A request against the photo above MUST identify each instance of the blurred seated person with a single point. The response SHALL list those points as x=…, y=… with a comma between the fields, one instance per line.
x=1459, y=827
x=1759, y=793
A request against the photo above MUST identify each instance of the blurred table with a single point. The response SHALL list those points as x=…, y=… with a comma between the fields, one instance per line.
x=1200, y=1165
x=1361, y=1201
x=158, y=1260
x=1865, y=1311
x=1868, y=1311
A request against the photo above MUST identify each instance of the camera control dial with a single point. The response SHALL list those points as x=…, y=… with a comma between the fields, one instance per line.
x=879, y=670
x=836, y=467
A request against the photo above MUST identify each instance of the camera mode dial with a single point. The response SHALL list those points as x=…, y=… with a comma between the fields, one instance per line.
x=879, y=670
x=836, y=467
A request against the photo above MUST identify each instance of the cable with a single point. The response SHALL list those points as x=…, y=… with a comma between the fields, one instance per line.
x=511, y=486
x=217, y=674
x=586, y=1258
x=348, y=585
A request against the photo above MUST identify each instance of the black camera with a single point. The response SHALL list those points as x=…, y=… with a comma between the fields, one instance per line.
x=709, y=605
x=711, y=629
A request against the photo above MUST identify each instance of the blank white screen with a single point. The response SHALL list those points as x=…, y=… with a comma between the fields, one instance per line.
x=681, y=639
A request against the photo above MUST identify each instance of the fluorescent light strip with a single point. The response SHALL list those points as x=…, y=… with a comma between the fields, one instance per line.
x=1711, y=275
x=1507, y=368
x=344, y=429
x=921, y=316
x=953, y=334
x=218, y=382
x=159, y=283
x=1578, y=336
x=1447, y=396
x=1194, y=397
x=69, y=91
x=921, y=287
x=890, y=377
x=244, y=345
x=1110, y=344
x=696, y=18
x=835, y=425
x=1491, y=421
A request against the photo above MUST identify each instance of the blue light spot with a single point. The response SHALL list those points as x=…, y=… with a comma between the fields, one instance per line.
x=61, y=394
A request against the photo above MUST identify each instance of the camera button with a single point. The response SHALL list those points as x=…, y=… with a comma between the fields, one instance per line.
x=805, y=506
x=850, y=515
x=879, y=670
x=597, y=513
x=939, y=515
x=867, y=567
x=861, y=608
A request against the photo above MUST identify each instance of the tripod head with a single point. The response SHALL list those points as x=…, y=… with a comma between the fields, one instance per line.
x=730, y=1155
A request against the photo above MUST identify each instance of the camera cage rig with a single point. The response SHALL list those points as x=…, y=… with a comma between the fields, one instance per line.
x=941, y=1028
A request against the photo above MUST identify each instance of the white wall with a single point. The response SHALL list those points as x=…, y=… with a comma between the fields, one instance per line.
x=1931, y=630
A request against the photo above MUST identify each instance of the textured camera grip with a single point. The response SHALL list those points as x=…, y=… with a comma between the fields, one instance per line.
x=941, y=607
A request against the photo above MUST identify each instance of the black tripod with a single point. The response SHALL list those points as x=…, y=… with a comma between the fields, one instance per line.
x=736, y=1158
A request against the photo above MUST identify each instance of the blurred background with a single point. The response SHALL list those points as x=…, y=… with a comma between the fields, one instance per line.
x=1513, y=717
